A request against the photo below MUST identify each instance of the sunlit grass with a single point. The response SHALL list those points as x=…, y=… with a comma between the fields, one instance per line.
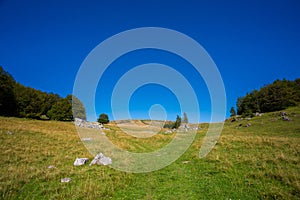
x=131, y=143
x=257, y=162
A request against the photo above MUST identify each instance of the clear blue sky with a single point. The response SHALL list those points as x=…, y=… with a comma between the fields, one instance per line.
x=43, y=43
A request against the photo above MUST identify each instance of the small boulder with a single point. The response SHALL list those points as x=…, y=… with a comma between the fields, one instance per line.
x=282, y=114
x=86, y=139
x=248, y=125
x=257, y=114
x=65, y=180
x=80, y=161
x=168, y=131
x=285, y=118
x=233, y=119
x=100, y=159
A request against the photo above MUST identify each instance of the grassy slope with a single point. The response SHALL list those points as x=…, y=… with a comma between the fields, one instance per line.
x=260, y=161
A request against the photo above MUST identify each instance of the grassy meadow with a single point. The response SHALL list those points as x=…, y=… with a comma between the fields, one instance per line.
x=261, y=161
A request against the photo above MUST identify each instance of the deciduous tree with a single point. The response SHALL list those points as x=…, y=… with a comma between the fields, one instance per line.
x=185, y=118
x=61, y=111
x=232, y=112
x=8, y=106
x=103, y=118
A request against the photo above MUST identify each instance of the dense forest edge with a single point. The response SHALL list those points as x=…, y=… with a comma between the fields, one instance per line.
x=277, y=96
x=17, y=100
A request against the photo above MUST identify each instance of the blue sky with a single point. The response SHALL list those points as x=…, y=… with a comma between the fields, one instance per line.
x=43, y=44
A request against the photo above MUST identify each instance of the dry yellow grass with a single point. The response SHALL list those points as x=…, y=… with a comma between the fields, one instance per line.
x=258, y=162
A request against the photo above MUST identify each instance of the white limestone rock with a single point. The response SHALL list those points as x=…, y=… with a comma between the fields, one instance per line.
x=100, y=159
x=80, y=161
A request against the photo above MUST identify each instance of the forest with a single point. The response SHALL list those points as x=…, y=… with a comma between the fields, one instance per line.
x=279, y=95
x=17, y=100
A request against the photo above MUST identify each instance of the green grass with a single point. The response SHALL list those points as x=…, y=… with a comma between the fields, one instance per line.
x=257, y=162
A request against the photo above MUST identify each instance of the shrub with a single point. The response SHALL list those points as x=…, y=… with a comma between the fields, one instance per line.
x=103, y=118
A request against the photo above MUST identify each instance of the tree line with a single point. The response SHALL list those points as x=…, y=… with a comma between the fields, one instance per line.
x=272, y=97
x=19, y=101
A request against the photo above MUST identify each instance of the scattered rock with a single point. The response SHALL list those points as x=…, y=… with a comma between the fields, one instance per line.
x=168, y=131
x=257, y=114
x=184, y=127
x=233, y=119
x=285, y=118
x=100, y=159
x=282, y=114
x=9, y=132
x=247, y=125
x=185, y=162
x=65, y=180
x=82, y=123
x=51, y=167
x=242, y=125
x=80, y=161
x=86, y=139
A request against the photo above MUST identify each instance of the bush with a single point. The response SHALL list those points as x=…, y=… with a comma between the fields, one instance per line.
x=103, y=118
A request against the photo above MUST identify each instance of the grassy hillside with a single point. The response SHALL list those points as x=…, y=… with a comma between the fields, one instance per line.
x=261, y=161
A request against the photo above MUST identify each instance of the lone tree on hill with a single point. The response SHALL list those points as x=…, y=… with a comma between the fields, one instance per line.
x=232, y=112
x=177, y=122
x=103, y=118
x=185, y=118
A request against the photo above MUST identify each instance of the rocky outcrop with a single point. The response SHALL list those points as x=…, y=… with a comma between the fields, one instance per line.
x=82, y=123
x=284, y=116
